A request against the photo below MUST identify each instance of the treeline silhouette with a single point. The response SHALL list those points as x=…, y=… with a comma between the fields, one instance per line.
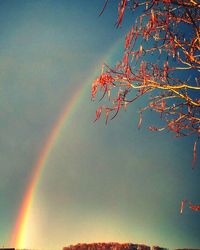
x=111, y=246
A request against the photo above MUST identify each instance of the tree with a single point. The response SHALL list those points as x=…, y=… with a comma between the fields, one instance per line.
x=162, y=62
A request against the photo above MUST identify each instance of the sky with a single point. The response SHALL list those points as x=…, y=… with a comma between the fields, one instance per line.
x=99, y=183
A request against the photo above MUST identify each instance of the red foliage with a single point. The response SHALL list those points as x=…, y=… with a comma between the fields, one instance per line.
x=191, y=206
x=162, y=61
x=162, y=45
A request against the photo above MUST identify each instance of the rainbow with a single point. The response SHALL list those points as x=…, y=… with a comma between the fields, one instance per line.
x=18, y=234
x=20, y=226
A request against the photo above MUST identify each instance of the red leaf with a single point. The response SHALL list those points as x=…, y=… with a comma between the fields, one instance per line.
x=107, y=113
x=182, y=205
x=194, y=207
x=98, y=113
x=125, y=59
x=151, y=128
x=194, y=154
x=121, y=9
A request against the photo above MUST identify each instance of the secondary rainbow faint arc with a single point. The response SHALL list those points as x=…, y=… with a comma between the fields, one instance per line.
x=18, y=234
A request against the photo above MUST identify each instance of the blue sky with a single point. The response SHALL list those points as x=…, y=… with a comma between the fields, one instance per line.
x=101, y=183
